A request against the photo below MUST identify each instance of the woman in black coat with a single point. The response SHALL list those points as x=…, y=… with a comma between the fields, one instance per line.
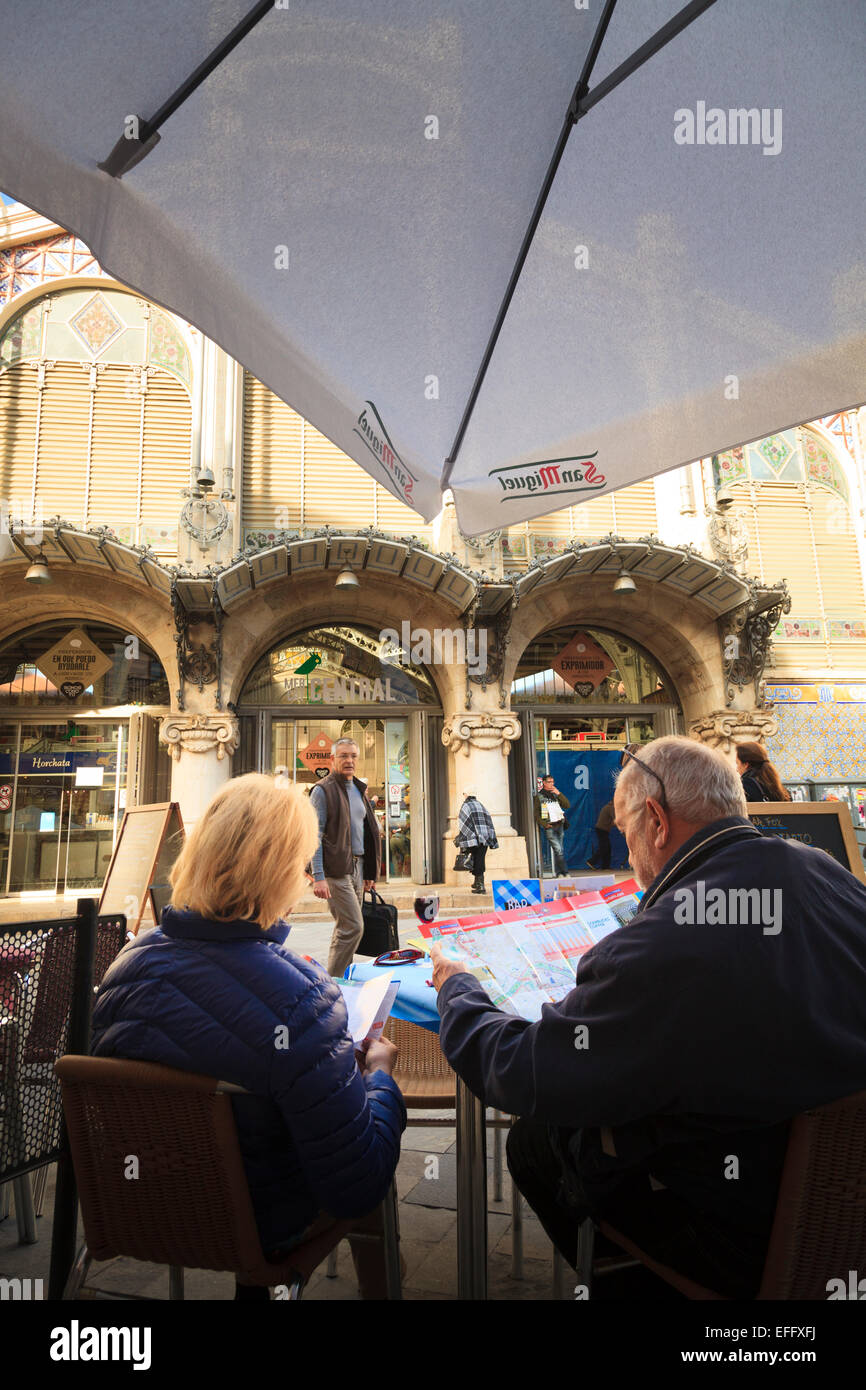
x=761, y=781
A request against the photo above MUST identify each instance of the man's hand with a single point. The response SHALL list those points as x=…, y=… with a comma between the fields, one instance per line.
x=369, y=884
x=321, y=889
x=381, y=1055
x=443, y=969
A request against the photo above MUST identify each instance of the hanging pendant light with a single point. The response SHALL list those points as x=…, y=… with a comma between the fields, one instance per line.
x=39, y=572
x=624, y=584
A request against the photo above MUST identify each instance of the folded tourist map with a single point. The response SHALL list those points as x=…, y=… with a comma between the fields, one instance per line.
x=527, y=957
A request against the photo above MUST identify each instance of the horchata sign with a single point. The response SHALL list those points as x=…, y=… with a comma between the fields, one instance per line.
x=74, y=663
x=583, y=664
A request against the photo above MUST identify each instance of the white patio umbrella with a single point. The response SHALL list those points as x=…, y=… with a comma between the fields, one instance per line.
x=354, y=197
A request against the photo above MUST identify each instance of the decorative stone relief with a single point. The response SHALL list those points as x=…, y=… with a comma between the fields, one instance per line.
x=199, y=733
x=726, y=727
x=747, y=640
x=483, y=731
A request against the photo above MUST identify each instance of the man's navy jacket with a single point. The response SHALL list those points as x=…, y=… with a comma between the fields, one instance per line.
x=702, y=1040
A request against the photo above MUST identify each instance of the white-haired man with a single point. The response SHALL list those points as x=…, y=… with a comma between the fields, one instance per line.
x=658, y=1094
x=347, y=860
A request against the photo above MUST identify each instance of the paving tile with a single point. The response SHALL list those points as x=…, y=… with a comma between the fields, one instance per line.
x=410, y=1170
x=536, y=1284
x=437, y=1272
x=441, y=1190
x=536, y=1244
x=430, y=1224
x=427, y=1139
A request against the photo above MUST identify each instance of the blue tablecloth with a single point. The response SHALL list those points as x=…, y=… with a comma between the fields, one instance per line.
x=416, y=1000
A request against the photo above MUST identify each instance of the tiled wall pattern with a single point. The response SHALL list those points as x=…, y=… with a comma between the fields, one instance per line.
x=820, y=741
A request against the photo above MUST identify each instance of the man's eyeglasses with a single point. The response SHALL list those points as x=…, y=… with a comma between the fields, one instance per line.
x=646, y=767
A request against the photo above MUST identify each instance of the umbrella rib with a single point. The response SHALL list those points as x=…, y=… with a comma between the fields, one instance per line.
x=681, y=20
x=581, y=102
x=130, y=151
x=559, y=150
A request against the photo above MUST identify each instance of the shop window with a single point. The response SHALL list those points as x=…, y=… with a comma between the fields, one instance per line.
x=587, y=666
x=336, y=665
x=61, y=667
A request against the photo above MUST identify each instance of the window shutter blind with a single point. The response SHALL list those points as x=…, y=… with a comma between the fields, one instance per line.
x=273, y=461
x=167, y=448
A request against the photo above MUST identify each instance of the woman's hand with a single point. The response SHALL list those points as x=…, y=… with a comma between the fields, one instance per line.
x=381, y=1055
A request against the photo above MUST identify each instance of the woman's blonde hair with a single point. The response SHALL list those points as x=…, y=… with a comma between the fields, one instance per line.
x=245, y=858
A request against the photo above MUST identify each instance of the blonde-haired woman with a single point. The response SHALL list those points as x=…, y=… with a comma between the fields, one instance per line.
x=214, y=989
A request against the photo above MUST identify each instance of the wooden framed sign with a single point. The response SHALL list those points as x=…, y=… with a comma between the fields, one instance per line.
x=822, y=824
x=150, y=840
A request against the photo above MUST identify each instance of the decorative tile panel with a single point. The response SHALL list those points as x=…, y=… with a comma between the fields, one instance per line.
x=823, y=741
x=96, y=324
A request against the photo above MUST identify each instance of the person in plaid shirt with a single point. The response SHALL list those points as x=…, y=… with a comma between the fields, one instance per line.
x=476, y=834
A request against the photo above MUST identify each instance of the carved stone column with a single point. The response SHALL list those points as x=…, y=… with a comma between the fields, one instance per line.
x=481, y=730
x=724, y=728
x=480, y=742
x=200, y=746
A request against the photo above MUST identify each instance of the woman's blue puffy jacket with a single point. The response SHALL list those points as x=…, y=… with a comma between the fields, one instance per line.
x=217, y=998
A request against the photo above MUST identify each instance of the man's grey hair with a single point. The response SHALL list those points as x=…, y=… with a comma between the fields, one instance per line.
x=354, y=742
x=700, y=784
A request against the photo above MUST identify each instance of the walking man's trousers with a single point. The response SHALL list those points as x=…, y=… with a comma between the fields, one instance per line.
x=344, y=904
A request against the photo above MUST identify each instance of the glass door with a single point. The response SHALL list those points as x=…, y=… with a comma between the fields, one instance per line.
x=302, y=749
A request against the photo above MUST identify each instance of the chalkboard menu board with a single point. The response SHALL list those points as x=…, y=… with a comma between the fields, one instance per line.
x=150, y=840
x=822, y=824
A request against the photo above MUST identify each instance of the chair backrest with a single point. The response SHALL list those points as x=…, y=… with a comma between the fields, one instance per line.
x=158, y=1165
x=46, y=1038
x=819, y=1230
x=422, y=1072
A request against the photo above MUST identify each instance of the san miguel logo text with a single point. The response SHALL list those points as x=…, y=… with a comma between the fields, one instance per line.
x=549, y=475
x=374, y=435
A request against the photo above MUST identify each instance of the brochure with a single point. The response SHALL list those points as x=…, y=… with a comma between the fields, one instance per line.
x=623, y=900
x=368, y=1006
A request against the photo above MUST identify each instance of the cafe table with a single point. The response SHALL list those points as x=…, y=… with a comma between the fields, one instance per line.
x=416, y=1003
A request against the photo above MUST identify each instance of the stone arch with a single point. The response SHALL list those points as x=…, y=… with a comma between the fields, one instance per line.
x=685, y=642
x=81, y=594
x=255, y=627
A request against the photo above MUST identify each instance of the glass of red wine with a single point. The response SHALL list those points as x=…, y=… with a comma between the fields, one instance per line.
x=426, y=908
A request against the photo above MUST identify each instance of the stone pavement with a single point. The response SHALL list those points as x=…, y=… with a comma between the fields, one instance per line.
x=426, y=1186
x=428, y=1242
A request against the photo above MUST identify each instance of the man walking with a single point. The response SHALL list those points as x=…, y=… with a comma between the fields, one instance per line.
x=550, y=809
x=347, y=860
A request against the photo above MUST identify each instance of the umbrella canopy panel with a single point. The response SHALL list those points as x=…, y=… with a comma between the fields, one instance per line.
x=681, y=298
x=339, y=205
x=342, y=201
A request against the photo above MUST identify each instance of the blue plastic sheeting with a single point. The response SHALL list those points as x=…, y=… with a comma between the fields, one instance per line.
x=587, y=777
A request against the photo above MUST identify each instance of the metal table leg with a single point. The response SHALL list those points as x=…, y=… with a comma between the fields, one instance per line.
x=497, y=1158
x=471, y=1196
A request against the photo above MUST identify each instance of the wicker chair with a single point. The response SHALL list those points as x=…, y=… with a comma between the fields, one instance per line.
x=189, y=1205
x=819, y=1229
x=46, y=1039
x=422, y=1073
